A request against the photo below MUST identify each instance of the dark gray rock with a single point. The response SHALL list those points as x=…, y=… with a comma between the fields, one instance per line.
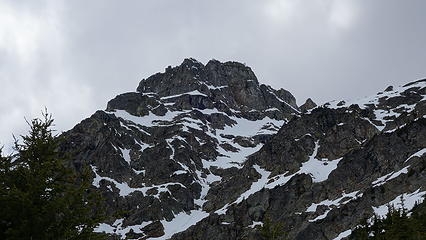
x=308, y=105
x=182, y=143
x=231, y=84
x=153, y=230
x=389, y=89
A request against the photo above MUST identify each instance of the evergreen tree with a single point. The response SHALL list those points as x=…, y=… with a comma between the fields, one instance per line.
x=42, y=198
x=397, y=225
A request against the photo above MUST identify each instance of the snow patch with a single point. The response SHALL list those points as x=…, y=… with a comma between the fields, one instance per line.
x=382, y=180
x=211, y=87
x=149, y=120
x=255, y=187
x=417, y=154
x=181, y=222
x=280, y=180
x=195, y=93
x=336, y=202
x=344, y=234
x=410, y=199
x=231, y=159
x=318, y=169
x=381, y=115
x=125, y=153
x=255, y=224
x=117, y=228
x=332, y=204
x=125, y=189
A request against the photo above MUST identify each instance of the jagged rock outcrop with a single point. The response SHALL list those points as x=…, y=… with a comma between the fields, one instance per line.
x=308, y=105
x=230, y=84
x=156, y=153
x=207, y=152
x=325, y=171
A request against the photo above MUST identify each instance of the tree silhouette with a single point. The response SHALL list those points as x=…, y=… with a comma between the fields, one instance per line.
x=41, y=197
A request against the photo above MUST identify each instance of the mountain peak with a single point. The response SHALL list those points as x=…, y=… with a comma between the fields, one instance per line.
x=230, y=84
x=208, y=146
x=193, y=73
x=191, y=62
x=308, y=105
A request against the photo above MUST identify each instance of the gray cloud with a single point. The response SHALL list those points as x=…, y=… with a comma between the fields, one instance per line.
x=73, y=56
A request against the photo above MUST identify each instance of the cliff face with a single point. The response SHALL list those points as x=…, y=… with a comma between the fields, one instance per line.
x=206, y=152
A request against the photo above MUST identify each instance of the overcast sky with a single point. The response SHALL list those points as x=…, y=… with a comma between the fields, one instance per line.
x=73, y=56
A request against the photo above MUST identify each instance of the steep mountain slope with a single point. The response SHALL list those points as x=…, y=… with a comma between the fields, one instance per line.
x=206, y=152
x=326, y=170
x=156, y=153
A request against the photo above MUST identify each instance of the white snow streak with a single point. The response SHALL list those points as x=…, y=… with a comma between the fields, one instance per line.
x=181, y=222
x=116, y=228
x=410, y=199
x=332, y=203
x=382, y=180
x=318, y=169
x=417, y=154
x=343, y=234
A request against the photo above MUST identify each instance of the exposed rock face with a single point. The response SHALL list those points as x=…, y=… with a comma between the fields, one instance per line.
x=229, y=84
x=308, y=105
x=206, y=152
x=325, y=171
x=156, y=153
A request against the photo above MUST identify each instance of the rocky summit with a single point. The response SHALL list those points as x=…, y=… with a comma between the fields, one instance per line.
x=207, y=152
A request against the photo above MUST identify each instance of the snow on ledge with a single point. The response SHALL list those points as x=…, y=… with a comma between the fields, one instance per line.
x=180, y=223
x=410, y=199
x=344, y=234
x=417, y=154
x=318, y=169
x=384, y=179
x=330, y=203
x=126, y=190
x=195, y=92
x=117, y=228
x=255, y=187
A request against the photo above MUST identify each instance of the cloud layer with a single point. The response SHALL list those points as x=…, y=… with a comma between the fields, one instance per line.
x=73, y=56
